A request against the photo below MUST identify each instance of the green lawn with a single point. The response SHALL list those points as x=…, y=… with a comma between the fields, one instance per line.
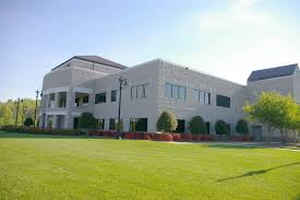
x=43, y=167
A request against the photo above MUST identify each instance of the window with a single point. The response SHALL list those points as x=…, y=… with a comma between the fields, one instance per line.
x=85, y=99
x=202, y=97
x=132, y=93
x=180, y=126
x=141, y=124
x=101, y=123
x=206, y=98
x=100, y=98
x=139, y=91
x=168, y=90
x=195, y=94
x=113, y=96
x=52, y=97
x=112, y=124
x=144, y=90
x=223, y=101
x=182, y=92
x=175, y=91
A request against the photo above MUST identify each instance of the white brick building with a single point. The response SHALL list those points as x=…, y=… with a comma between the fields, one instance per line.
x=90, y=84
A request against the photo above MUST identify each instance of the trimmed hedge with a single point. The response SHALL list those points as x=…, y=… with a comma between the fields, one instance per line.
x=187, y=137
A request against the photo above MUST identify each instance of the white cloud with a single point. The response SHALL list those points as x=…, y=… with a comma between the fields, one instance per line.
x=232, y=42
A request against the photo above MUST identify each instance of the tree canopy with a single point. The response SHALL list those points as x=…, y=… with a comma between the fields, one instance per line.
x=87, y=120
x=275, y=111
x=167, y=122
x=28, y=121
x=242, y=127
x=8, y=111
x=197, y=125
x=222, y=128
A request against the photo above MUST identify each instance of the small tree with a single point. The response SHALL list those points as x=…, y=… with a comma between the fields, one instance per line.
x=275, y=111
x=167, y=122
x=197, y=125
x=222, y=128
x=242, y=127
x=87, y=121
x=28, y=122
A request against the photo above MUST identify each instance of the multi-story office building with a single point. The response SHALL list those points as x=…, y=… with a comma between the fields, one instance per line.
x=90, y=84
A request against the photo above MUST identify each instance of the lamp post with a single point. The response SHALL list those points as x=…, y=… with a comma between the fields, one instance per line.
x=23, y=112
x=36, y=104
x=122, y=84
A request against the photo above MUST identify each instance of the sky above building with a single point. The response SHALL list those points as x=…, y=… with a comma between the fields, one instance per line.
x=225, y=38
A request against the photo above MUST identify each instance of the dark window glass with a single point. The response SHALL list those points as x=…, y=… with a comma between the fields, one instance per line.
x=85, y=99
x=113, y=96
x=180, y=126
x=100, y=98
x=223, y=101
x=112, y=124
x=141, y=124
x=101, y=123
x=52, y=97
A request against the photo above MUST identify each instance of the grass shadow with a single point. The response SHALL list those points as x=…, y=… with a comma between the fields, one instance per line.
x=258, y=172
x=237, y=146
x=4, y=134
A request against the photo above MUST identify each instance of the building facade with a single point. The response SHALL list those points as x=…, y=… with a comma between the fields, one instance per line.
x=90, y=84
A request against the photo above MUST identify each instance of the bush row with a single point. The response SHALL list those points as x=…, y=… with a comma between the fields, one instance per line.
x=154, y=136
x=128, y=135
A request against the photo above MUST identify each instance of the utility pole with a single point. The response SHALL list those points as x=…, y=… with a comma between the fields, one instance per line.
x=36, y=104
x=22, y=100
x=122, y=83
x=17, y=112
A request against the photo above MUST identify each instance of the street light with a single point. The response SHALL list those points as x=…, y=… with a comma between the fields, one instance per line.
x=122, y=84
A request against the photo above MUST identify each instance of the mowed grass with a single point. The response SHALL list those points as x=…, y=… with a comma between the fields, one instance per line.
x=43, y=167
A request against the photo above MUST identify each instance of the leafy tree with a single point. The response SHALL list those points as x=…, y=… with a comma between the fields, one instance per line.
x=6, y=115
x=87, y=120
x=167, y=122
x=275, y=111
x=222, y=128
x=9, y=108
x=197, y=125
x=242, y=127
x=28, y=121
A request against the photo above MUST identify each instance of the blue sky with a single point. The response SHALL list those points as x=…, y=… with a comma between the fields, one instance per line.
x=226, y=38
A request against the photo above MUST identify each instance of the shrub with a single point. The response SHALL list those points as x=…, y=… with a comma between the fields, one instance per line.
x=28, y=122
x=187, y=137
x=167, y=122
x=156, y=136
x=197, y=126
x=176, y=137
x=242, y=127
x=139, y=135
x=87, y=120
x=166, y=137
x=129, y=135
x=222, y=128
x=147, y=136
